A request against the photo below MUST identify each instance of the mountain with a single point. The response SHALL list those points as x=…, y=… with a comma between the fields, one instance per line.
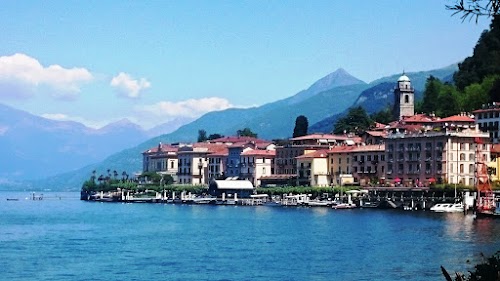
x=380, y=94
x=328, y=97
x=34, y=147
x=170, y=126
x=338, y=78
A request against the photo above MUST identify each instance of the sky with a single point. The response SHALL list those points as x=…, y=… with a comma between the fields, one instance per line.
x=98, y=62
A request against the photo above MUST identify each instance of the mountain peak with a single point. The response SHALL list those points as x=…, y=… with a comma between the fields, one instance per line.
x=339, y=77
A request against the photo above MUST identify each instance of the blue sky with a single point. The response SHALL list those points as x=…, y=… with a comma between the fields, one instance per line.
x=152, y=61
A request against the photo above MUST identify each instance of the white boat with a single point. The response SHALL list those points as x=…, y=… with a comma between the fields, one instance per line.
x=339, y=206
x=318, y=203
x=448, y=207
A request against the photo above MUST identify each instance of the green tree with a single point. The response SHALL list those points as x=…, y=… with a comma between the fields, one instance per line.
x=448, y=101
x=246, y=132
x=356, y=121
x=384, y=116
x=489, y=269
x=431, y=93
x=214, y=136
x=202, y=135
x=301, y=126
x=494, y=92
x=485, y=60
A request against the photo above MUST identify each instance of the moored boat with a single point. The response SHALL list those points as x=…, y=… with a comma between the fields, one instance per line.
x=447, y=208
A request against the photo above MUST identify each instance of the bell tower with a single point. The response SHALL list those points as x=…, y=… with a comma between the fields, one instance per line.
x=404, y=98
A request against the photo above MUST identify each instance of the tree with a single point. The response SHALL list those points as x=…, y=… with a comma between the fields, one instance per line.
x=447, y=100
x=215, y=136
x=494, y=92
x=301, y=126
x=384, y=116
x=202, y=135
x=356, y=121
x=487, y=270
x=485, y=60
x=475, y=8
x=246, y=133
x=431, y=94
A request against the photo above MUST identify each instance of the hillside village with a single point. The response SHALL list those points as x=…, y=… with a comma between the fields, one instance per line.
x=417, y=150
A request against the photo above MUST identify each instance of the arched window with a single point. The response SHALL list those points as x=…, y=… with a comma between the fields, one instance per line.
x=407, y=99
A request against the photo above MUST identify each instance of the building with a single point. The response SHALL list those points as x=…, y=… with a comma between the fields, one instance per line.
x=339, y=163
x=487, y=118
x=404, y=94
x=312, y=169
x=217, y=164
x=233, y=164
x=368, y=164
x=161, y=159
x=445, y=156
x=286, y=155
x=193, y=162
x=255, y=164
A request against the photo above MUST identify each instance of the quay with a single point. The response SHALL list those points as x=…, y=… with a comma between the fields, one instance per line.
x=403, y=198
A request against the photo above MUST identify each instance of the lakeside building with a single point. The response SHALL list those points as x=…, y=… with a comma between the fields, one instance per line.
x=368, y=164
x=487, y=118
x=446, y=156
x=193, y=162
x=255, y=164
x=161, y=159
x=217, y=164
x=312, y=168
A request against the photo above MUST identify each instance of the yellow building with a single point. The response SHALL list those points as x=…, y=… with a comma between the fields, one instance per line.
x=312, y=168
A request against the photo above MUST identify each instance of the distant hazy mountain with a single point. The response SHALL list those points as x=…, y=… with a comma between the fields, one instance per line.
x=380, y=94
x=34, y=147
x=169, y=127
x=326, y=98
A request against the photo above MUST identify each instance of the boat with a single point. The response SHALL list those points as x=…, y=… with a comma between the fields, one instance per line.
x=369, y=204
x=203, y=200
x=12, y=199
x=448, y=208
x=341, y=206
x=318, y=203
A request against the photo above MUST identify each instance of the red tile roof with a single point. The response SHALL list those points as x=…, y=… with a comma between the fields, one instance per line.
x=259, y=152
x=457, y=118
x=164, y=148
x=315, y=154
x=235, y=139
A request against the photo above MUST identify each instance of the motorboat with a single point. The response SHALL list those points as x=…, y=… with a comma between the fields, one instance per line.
x=448, y=207
x=318, y=203
x=341, y=206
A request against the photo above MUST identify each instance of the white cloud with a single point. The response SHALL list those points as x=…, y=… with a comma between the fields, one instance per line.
x=189, y=108
x=127, y=86
x=22, y=75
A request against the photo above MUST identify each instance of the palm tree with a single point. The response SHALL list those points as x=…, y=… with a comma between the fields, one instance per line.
x=115, y=174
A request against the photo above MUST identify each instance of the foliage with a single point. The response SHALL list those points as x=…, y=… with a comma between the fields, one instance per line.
x=150, y=176
x=301, y=126
x=489, y=269
x=214, y=136
x=447, y=101
x=356, y=121
x=485, y=60
x=429, y=102
x=384, y=116
x=202, y=135
x=246, y=132
x=475, y=8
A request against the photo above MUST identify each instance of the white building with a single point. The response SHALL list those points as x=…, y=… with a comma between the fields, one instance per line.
x=256, y=163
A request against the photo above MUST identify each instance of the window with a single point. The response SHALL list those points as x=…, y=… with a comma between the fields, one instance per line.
x=462, y=156
x=461, y=168
x=407, y=98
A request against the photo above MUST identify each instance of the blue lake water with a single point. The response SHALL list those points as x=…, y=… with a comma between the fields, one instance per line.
x=63, y=238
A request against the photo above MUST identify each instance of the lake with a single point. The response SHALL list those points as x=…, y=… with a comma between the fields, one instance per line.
x=63, y=238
